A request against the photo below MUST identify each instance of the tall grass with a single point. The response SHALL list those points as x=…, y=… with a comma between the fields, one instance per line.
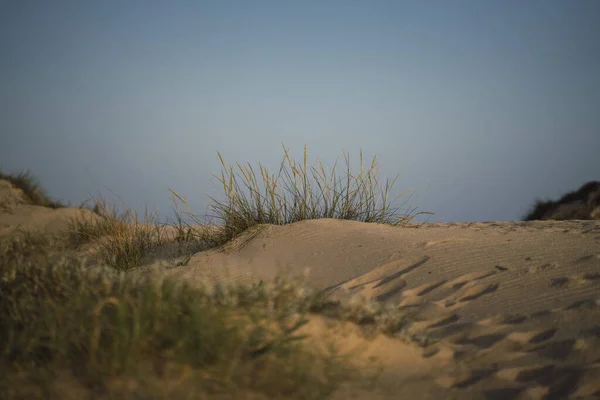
x=292, y=196
x=298, y=192
x=33, y=191
x=120, y=239
x=71, y=332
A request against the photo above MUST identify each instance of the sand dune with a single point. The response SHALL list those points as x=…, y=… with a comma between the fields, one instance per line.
x=515, y=305
x=511, y=309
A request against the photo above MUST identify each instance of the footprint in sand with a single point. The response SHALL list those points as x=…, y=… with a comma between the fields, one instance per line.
x=567, y=282
x=560, y=283
x=483, y=341
x=535, y=336
x=590, y=277
x=456, y=292
x=558, y=350
x=383, y=282
x=467, y=292
x=536, y=269
x=473, y=293
x=588, y=258
x=414, y=297
x=585, y=304
x=550, y=381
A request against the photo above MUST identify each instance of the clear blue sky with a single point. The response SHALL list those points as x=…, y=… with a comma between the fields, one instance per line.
x=480, y=106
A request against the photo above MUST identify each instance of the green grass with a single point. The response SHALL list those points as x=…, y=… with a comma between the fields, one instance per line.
x=69, y=331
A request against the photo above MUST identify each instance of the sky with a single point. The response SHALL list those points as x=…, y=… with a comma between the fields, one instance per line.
x=480, y=106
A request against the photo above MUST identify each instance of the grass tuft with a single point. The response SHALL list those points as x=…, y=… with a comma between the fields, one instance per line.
x=69, y=331
x=33, y=191
x=293, y=195
x=298, y=192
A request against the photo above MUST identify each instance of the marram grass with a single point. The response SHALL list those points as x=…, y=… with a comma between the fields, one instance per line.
x=70, y=331
x=301, y=192
x=73, y=332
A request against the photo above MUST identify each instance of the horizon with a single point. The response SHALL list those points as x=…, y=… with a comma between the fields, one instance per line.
x=481, y=107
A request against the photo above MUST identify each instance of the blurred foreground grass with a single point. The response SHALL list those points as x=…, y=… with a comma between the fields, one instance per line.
x=72, y=332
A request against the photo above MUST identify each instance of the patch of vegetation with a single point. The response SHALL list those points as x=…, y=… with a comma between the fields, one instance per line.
x=121, y=240
x=72, y=332
x=33, y=191
x=294, y=195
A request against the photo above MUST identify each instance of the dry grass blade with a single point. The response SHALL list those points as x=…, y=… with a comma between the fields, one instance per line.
x=295, y=198
x=111, y=335
x=31, y=188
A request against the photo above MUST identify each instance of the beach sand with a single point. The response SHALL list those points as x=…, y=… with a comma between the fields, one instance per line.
x=511, y=309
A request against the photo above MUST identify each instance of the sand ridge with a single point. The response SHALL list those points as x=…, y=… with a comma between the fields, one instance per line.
x=513, y=307
x=509, y=309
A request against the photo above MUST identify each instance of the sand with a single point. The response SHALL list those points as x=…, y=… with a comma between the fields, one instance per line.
x=515, y=305
x=512, y=308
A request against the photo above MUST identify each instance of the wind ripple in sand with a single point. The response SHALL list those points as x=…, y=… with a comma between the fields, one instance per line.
x=511, y=308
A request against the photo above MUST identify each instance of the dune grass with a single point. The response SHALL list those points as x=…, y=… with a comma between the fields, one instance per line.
x=73, y=332
x=36, y=194
x=33, y=191
x=301, y=192
x=122, y=240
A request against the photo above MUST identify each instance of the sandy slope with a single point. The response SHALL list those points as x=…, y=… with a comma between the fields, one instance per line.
x=15, y=212
x=514, y=306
